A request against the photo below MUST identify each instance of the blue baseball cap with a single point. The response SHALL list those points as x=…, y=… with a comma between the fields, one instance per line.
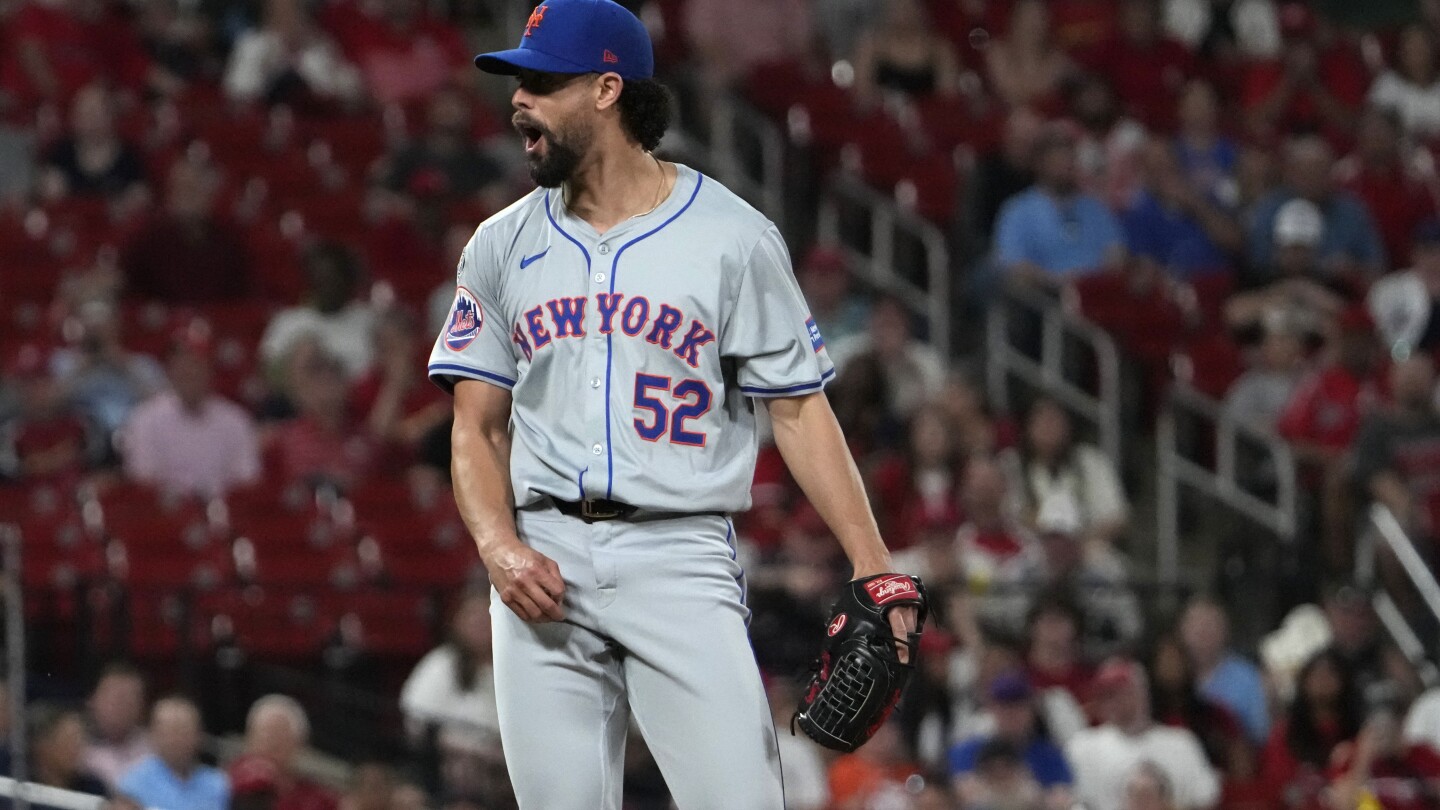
x=578, y=36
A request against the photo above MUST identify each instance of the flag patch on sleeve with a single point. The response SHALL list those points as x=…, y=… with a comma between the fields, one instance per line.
x=816, y=342
x=466, y=318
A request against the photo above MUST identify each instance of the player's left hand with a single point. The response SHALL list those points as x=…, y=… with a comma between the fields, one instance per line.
x=902, y=621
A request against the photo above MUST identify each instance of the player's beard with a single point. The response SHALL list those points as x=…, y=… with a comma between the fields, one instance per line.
x=564, y=148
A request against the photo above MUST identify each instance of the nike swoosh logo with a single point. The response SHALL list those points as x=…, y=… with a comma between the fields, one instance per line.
x=526, y=261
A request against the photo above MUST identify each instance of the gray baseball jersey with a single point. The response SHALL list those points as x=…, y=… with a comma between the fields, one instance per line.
x=632, y=355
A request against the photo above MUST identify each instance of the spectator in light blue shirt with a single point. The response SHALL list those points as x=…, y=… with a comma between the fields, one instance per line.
x=173, y=778
x=1223, y=676
x=1053, y=231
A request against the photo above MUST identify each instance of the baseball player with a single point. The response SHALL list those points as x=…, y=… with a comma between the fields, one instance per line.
x=612, y=334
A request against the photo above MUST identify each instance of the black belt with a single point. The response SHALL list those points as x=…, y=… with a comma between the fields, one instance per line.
x=592, y=509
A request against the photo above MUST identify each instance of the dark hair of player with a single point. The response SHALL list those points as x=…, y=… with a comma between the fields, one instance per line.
x=646, y=109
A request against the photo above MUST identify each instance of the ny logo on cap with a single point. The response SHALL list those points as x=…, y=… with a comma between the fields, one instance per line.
x=536, y=17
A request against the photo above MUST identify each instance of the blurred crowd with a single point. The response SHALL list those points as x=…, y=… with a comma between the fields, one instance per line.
x=227, y=231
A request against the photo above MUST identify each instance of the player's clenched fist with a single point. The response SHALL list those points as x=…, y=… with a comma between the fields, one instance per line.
x=528, y=582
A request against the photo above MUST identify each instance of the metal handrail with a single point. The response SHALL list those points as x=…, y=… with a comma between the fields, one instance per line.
x=15, y=647
x=1175, y=470
x=1388, y=529
x=877, y=266
x=1048, y=372
x=732, y=120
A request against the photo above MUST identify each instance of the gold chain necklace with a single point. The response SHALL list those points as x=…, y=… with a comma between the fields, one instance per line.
x=565, y=192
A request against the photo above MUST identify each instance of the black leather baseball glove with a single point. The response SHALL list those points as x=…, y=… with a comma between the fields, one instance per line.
x=858, y=678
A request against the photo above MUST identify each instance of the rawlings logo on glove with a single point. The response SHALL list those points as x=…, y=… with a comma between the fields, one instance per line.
x=859, y=677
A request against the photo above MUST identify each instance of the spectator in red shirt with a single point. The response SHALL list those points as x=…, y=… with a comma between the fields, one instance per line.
x=1325, y=712
x=404, y=53
x=56, y=48
x=1381, y=767
x=188, y=252
x=1053, y=659
x=1380, y=173
x=1322, y=418
x=46, y=440
x=265, y=776
x=1146, y=68
x=322, y=445
x=1315, y=86
x=920, y=486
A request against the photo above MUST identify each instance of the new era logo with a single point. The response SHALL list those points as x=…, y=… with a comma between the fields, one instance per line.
x=610, y=58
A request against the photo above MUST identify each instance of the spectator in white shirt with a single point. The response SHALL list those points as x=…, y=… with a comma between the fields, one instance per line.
x=452, y=689
x=188, y=440
x=1405, y=305
x=288, y=60
x=1050, y=464
x=1411, y=87
x=118, y=740
x=331, y=313
x=1103, y=757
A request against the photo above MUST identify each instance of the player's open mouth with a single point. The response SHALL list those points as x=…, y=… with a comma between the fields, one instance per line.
x=532, y=135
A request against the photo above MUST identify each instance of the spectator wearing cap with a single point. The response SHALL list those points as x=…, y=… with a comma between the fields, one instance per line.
x=188, y=252
x=1103, y=757
x=1410, y=87
x=1406, y=305
x=825, y=280
x=1175, y=224
x=1316, y=84
x=45, y=439
x=331, y=313
x=1221, y=674
x=189, y=440
x=173, y=778
x=1054, y=231
x=266, y=775
x=1298, y=287
x=1016, y=725
x=1348, y=247
x=1001, y=778
x=1385, y=173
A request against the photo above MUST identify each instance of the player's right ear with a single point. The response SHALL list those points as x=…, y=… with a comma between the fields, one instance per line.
x=608, y=89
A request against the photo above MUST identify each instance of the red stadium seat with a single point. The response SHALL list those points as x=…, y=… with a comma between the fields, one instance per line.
x=385, y=624
x=274, y=624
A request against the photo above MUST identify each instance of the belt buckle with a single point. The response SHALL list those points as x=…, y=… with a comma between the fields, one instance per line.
x=589, y=512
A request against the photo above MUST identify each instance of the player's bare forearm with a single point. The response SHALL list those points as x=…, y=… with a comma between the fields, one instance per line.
x=480, y=464
x=527, y=581
x=814, y=449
